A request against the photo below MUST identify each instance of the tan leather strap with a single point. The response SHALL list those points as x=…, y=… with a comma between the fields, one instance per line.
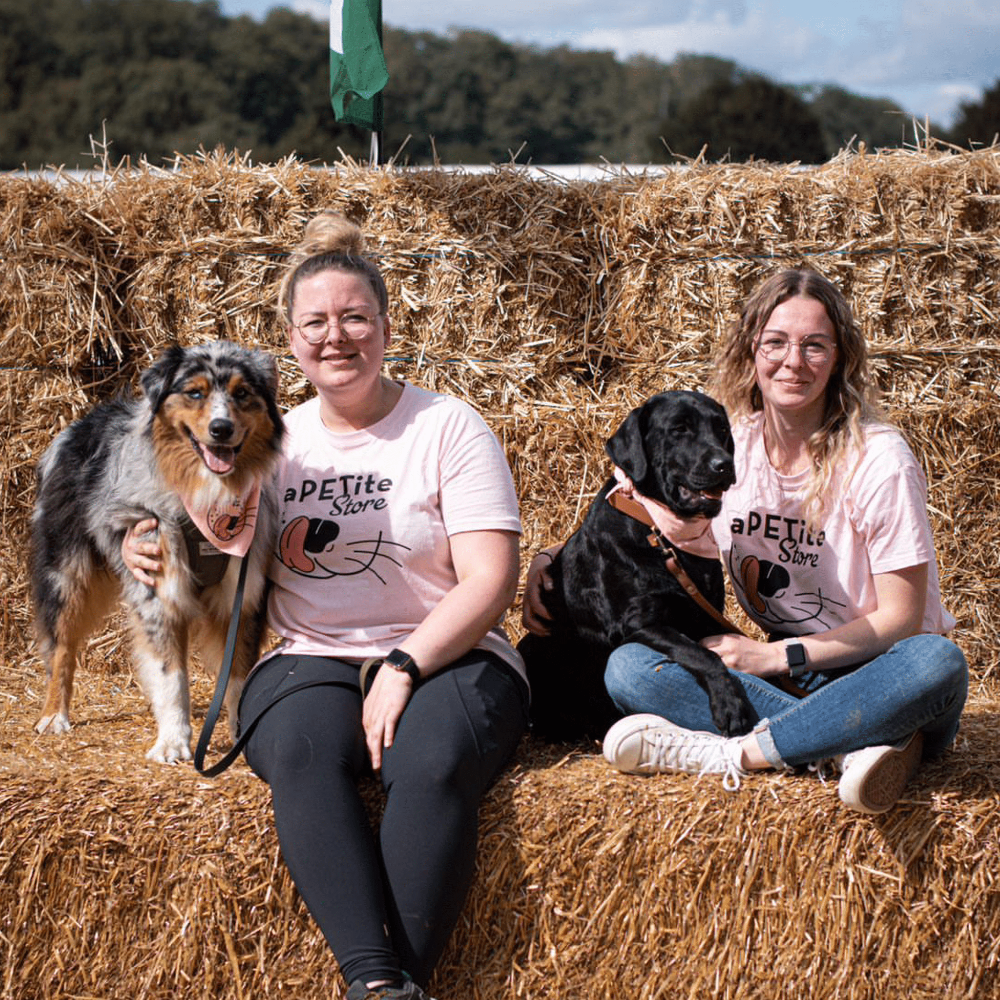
x=670, y=558
x=631, y=507
x=657, y=539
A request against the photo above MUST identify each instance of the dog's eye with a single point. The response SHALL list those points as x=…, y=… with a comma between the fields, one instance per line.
x=240, y=393
x=194, y=393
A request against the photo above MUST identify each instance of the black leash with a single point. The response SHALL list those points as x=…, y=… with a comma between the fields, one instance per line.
x=221, y=683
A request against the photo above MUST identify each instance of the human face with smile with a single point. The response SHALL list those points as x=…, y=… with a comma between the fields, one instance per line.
x=796, y=383
x=346, y=370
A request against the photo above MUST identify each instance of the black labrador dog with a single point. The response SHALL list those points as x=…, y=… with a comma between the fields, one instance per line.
x=611, y=586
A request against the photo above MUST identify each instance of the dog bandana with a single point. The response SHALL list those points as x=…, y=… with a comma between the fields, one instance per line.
x=692, y=535
x=228, y=526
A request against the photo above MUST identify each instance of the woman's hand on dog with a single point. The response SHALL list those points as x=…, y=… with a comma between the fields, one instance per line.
x=738, y=652
x=141, y=551
x=384, y=704
x=534, y=615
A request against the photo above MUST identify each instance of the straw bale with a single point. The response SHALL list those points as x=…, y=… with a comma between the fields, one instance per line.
x=555, y=308
x=894, y=230
x=57, y=284
x=477, y=265
x=120, y=878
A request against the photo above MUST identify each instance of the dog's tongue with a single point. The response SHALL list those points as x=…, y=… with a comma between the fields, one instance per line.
x=219, y=458
x=712, y=494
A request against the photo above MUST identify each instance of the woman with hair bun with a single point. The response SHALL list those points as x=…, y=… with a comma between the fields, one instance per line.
x=827, y=544
x=397, y=558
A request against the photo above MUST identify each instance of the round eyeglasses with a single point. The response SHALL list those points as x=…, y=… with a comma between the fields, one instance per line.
x=354, y=326
x=814, y=350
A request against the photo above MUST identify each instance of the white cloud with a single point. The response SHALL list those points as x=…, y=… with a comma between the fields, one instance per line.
x=761, y=40
x=529, y=20
x=320, y=9
x=927, y=56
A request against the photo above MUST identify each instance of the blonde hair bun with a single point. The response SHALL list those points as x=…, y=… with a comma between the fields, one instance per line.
x=330, y=232
x=330, y=241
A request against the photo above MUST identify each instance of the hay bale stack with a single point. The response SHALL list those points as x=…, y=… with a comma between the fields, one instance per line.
x=553, y=307
x=122, y=879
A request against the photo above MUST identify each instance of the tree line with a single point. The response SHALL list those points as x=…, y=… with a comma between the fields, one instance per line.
x=158, y=77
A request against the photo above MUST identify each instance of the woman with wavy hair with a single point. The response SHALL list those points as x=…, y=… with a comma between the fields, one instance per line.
x=828, y=547
x=849, y=393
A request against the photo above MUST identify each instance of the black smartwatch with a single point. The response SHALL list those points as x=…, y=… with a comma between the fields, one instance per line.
x=404, y=663
x=795, y=656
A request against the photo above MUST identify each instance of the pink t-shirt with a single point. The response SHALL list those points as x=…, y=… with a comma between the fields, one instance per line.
x=791, y=580
x=363, y=554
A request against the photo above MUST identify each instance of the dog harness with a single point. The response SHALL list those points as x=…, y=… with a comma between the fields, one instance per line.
x=223, y=530
x=208, y=565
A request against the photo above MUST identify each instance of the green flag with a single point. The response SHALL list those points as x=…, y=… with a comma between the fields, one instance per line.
x=357, y=66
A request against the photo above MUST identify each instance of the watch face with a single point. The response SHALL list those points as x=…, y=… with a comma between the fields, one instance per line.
x=404, y=663
x=795, y=654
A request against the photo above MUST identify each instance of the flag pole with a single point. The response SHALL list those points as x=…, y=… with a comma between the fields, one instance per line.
x=376, y=148
x=357, y=67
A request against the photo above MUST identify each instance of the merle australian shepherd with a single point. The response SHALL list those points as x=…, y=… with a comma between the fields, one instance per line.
x=206, y=430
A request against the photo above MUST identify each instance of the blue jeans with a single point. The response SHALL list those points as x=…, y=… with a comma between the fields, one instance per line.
x=920, y=683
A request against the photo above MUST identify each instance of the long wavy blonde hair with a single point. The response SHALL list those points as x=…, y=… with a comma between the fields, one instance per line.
x=851, y=398
x=330, y=242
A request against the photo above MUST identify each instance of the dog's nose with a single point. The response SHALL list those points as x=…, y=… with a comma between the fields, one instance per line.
x=221, y=430
x=722, y=465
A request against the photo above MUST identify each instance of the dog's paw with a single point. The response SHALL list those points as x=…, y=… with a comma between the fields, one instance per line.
x=169, y=750
x=732, y=712
x=57, y=722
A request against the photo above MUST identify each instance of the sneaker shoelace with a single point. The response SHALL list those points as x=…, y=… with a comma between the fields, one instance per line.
x=694, y=753
x=828, y=768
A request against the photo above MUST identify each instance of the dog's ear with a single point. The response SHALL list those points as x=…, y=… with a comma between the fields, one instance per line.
x=267, y=367
x=626, y=447
x=263, y=375
x=157, y=380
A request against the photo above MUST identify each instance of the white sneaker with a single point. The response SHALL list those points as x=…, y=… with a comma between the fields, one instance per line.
x=649, y=744
x=874, y=778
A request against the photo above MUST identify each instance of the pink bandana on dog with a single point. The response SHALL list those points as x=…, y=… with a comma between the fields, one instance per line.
x=228, y=526
x=693, y=535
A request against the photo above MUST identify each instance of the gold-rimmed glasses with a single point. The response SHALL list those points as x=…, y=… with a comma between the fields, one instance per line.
x=353, y=325
x=815, y=349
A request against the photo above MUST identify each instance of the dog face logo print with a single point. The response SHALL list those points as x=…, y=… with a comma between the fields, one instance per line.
x=228, y=524
x=765, y=588
x=313, y=546
x=230, y=520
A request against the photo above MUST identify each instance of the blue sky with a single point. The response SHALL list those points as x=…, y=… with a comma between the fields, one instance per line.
x=927, y=55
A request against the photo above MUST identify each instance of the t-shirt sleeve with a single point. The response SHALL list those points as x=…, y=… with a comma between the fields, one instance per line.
x=889, y=507
x=477, y=489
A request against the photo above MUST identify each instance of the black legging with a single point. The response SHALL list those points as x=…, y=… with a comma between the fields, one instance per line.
x=384, y=906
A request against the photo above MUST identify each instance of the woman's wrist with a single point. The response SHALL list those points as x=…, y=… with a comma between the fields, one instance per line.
x=403, y=663
x=791, y=657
